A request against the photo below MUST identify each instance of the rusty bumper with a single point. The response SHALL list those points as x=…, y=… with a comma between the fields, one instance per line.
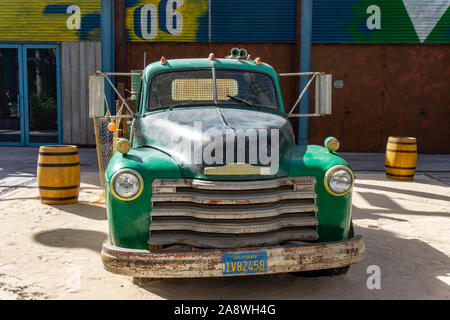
x=208, y=262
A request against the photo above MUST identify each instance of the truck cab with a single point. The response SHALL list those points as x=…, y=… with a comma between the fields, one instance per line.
x=212, y=184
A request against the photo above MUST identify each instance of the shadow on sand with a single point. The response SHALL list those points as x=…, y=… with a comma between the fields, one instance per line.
x=72, y=238
x=84, y=210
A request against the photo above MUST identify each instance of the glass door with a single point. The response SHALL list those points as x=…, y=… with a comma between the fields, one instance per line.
x=11, y=102
x=42, y=92
x=30, y=95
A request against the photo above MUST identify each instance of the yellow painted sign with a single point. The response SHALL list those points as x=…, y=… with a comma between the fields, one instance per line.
x=164, y=20
x=51, y=20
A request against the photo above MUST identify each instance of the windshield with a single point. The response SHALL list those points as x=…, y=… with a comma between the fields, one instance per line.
x=196, y=87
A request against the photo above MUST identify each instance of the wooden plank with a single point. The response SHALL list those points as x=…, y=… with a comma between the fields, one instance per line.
x=83, y=85
x=74, y=86
x=120, y=42
x=93, y=64
x=66, y=103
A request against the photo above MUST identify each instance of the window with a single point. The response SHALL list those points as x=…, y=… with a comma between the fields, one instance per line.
x=196, y=87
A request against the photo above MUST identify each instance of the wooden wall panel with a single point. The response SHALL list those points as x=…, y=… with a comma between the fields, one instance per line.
x=434, y=130
x=323, y=61
x=79, y=60
x=402, y=91
x=389, y=90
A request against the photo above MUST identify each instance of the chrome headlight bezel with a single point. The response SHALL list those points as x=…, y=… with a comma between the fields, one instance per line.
x=328, y=175
x=133, y=172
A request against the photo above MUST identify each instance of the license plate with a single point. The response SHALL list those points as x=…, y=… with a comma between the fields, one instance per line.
x=244, y=263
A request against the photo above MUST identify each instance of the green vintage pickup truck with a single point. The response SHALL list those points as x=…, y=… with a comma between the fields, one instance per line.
x=212, y=184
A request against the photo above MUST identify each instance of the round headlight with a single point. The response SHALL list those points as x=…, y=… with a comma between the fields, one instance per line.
x=127, y=184
x=339, y=180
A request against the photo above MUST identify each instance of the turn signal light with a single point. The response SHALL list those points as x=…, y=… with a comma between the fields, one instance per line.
x=332, y=144
x=258, y=60
x=123, y=146
x=163, y=60
x=112, y=126
x=211, y=56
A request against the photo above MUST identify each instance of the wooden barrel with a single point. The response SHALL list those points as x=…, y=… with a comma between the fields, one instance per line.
x=401, y=158
x=58, y=174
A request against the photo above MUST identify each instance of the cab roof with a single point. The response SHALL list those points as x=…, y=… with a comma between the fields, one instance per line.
x=174, y=64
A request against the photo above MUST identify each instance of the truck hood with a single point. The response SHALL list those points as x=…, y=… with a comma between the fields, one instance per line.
x=212, y=138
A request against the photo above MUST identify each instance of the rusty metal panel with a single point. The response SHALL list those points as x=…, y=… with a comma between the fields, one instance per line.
x=183, y=262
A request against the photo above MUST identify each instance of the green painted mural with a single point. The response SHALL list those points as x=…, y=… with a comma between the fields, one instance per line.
x=381, y=21
x=51, y=20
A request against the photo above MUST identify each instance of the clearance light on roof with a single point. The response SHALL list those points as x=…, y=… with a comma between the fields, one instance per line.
x=211, y=56
x=258, y=60
x=163, y=60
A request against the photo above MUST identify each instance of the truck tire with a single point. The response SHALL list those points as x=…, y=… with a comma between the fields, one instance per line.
x=328, y=272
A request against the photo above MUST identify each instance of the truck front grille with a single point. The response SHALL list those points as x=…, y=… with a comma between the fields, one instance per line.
x=233, y=214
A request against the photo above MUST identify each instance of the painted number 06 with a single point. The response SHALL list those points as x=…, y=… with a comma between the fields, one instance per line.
x=149, y=21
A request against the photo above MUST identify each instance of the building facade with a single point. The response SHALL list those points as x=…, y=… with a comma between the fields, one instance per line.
x=389, y=60
x=48, y=49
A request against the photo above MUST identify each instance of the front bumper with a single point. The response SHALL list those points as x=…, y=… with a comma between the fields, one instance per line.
x=208, y=262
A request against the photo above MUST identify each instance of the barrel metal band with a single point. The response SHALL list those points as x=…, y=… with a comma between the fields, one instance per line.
x=58, y=199
x=402, y=151
x=59, y=188
x=58, y=153
x=402, y=168
x=58, y=164
x=398, y=142
x=400, y=175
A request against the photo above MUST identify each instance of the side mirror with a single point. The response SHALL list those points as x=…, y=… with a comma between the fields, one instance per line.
x=96, y=96
x=323, y=94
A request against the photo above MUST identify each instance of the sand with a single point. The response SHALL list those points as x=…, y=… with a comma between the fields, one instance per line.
x=52, y=252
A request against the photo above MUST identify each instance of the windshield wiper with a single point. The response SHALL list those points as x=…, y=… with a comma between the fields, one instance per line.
x=185, y=103
x=240, y=100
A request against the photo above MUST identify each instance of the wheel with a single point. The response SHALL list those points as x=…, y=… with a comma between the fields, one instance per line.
x=328, y=272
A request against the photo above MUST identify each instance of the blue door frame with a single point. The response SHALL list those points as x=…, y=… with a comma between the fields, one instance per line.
x=23, y=88
x=21, y=100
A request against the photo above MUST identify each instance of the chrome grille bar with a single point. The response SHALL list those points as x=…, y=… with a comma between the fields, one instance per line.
x=234, y=226
x=230, y=214
x=187, y=209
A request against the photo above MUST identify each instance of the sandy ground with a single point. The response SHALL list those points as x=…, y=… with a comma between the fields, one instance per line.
x=52, y=252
